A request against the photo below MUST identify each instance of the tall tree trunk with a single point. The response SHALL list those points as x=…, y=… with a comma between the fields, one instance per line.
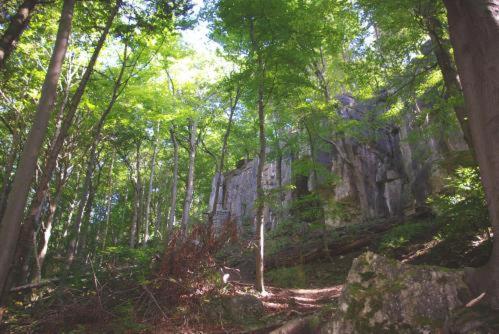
x=24, y=249
x=133, y=228
x=16, y=202
x=46, y=227
x=109, y=199
x=149, y=192
x=16, y=27
x=474, y=29
x=87, y=215
x=62, y=133
x=441, y=49
x=82, y=203
x=137, y=183
x=260, y=195
x=173, y=204
x=220, y=167
x=315, y=188
x=9, y=167
x=158, y=230
x=189, y=191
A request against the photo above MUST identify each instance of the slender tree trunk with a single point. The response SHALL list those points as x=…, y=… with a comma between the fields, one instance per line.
x=149, y=192
x=91, y=162
x=173, y=204
x=133, y=228
x=9, y=167
x=46, y=228
x=474, y=30
x=11, y=222
x=220, y=166
x=114, y=236
x=441, y=49
x=25, y=245
x=134, y=232
x=109, y=199
x=189, y=192
x=87, y=215
x=260, y=195
x=62, y=133
x=315, y=187
x=158, y=230
x=259, y=219
x=140, y=212
x=74, y=234
x=16, y=27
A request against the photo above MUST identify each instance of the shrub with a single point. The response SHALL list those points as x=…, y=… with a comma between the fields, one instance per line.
x=402, y=235
x=293, y=277
x=462, y=209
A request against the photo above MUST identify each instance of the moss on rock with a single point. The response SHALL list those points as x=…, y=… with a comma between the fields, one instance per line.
x=382, y=295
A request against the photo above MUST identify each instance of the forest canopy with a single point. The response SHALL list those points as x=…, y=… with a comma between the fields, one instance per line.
x=156, y=135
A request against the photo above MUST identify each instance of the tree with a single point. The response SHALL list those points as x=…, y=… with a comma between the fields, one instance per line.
x=189, y=191
x=263, y=32
x=474, y=29
x=17, y=25
x=11, y=222
x=173, y=192
x=63, y=126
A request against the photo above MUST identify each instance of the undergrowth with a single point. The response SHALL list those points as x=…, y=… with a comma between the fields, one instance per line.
x=132, y=291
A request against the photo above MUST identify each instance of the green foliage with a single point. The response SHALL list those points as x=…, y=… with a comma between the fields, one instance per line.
x=402, y=235
x=293, y=277
x=462, y=209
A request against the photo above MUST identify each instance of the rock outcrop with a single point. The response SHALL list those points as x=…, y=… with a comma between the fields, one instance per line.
x=384, y=296
x=381, y=172
x=237, y=192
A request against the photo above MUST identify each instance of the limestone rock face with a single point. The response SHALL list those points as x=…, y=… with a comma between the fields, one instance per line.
x=237, y=192
x=382, y=172
x=385, y=296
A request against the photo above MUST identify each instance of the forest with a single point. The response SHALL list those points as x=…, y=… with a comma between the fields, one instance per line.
x=249, y=166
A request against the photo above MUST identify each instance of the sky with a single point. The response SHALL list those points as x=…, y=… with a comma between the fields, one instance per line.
x=197, y=38
x=205, y=65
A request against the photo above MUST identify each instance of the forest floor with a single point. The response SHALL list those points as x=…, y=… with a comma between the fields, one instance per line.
x=127, y=303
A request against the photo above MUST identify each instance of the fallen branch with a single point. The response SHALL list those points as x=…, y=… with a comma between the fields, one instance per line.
x=154, y=300
x=35, y=285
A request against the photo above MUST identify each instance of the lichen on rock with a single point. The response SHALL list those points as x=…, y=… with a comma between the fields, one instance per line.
x=385, y=296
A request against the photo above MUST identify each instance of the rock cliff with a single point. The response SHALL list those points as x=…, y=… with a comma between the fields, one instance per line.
x=385, y=174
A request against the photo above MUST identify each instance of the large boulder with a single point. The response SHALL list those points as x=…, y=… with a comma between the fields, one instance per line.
x=385, y=296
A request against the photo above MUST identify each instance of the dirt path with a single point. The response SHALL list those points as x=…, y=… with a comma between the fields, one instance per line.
x=299, y=300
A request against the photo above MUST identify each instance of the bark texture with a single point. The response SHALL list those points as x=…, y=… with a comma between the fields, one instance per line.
x=16, y=27
x=173, y=204
x=189, y=192
x=259, y=221
x=221, y=164
x=16, y=202
x=474, y=29
x=150, y=189
x=441, y=49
